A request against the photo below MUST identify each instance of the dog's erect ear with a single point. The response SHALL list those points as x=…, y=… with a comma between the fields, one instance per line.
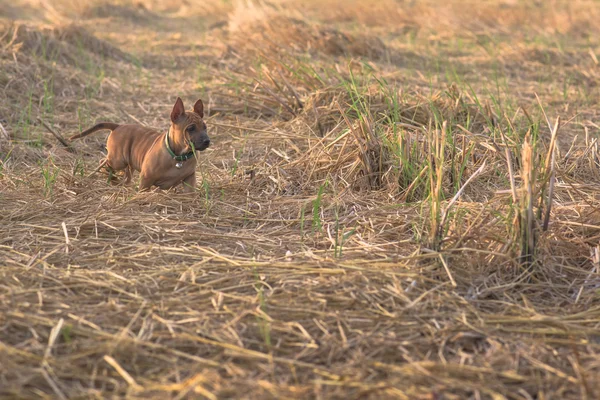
x=199, y=108
x=178, y=110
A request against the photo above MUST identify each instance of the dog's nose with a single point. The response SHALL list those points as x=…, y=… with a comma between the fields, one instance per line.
x=206, y=142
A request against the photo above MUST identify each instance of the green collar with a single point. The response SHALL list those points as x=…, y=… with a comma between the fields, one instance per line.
x=182, y=157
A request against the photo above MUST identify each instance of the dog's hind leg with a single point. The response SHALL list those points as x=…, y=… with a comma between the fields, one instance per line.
x=112, y=174
x=103, y=163
x=128, y=174
x=112, y=177
x=115, y=164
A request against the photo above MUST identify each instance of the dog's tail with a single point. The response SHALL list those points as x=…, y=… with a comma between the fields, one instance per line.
x=97, y=127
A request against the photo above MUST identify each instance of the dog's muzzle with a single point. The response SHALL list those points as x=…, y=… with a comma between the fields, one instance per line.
x=202, y=143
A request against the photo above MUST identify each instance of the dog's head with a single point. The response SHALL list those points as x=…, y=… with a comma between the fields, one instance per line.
x=190, y=126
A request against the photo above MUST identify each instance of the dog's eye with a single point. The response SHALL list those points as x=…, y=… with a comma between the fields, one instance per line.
x=191, y=128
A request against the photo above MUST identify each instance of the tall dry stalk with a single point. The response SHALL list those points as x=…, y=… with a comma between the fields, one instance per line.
x=538, y=176
x=525, y=216
x=437, y=140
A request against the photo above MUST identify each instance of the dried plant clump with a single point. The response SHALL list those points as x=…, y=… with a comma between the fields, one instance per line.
x=275, y=33
x=63, y=43
x=137, y=13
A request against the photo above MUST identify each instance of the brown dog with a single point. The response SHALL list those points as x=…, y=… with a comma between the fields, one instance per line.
x=163, y=159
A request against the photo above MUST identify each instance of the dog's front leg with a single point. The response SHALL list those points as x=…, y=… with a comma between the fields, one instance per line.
x=189, y=183
x=145, y=183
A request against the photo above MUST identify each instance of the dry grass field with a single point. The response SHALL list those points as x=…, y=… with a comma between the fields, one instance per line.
x=401, y=200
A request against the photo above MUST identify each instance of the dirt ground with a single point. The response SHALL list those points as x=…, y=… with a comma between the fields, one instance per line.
x=400, y=201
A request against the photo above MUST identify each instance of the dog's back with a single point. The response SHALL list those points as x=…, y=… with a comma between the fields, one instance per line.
x=129, y=144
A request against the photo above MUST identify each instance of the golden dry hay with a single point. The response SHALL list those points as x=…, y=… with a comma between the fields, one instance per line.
x=365, y=218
